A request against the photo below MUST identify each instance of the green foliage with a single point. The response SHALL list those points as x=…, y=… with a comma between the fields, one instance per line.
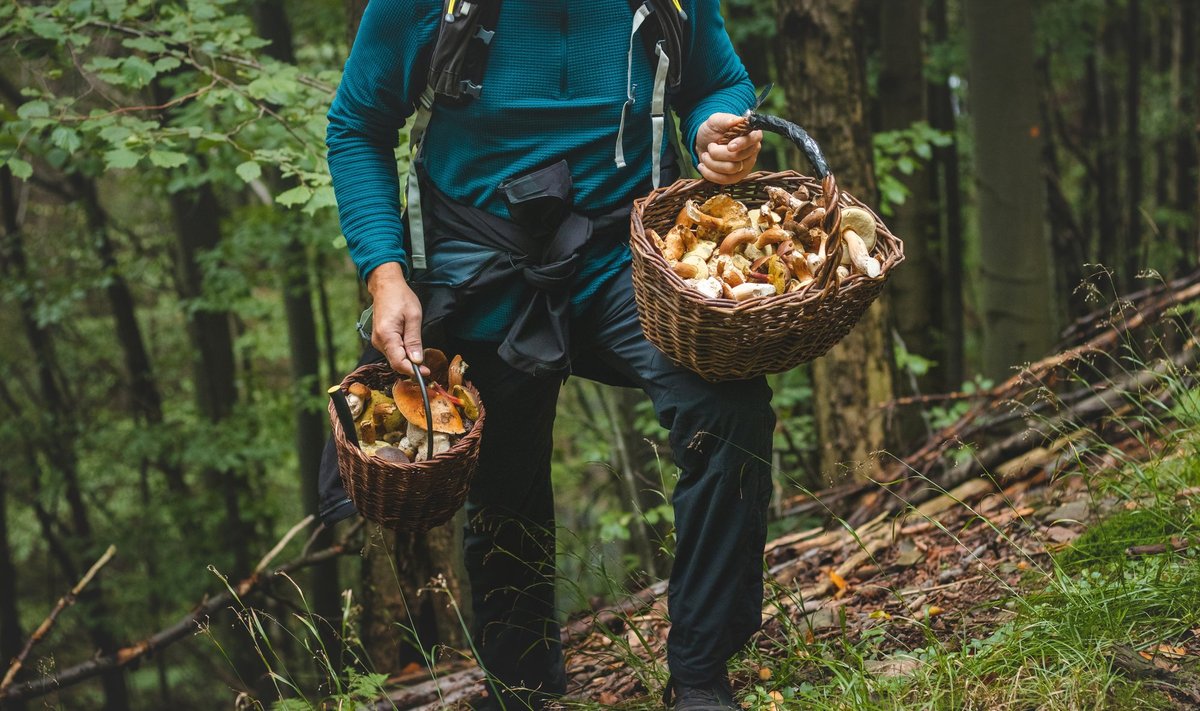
x=901, y=152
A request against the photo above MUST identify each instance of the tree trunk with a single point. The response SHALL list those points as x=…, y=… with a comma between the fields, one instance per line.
x=63, y=459
x=1185, y=87
x=11, y=638
x=1132, y=258
x=948, y=186
x=820, y=45
x=902, y=103
x=1017, y=295
x=406, y=614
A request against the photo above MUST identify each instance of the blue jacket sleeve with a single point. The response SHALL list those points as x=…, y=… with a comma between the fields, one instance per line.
x=384, y=76
x=714, y=79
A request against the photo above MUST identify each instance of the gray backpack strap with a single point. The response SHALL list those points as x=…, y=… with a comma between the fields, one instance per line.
x=416, y=224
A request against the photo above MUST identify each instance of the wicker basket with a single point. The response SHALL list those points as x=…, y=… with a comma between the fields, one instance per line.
x=406, y=497
x=727, y=340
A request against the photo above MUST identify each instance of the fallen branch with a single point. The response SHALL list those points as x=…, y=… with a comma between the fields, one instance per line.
x=63, y=603
x=186, y=626
x=1177, y=543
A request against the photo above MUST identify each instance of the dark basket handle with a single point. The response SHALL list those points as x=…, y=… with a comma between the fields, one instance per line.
x=416, y=369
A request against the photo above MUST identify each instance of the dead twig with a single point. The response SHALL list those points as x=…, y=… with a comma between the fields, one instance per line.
x=63, y=603
x=187, y=625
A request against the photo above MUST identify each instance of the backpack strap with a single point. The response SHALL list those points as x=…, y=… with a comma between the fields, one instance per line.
x=667, y=49
x=460, y=53
x=416, y=223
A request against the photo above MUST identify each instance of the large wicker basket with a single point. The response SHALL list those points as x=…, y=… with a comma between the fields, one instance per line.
x=725, y=340
x=405, y=497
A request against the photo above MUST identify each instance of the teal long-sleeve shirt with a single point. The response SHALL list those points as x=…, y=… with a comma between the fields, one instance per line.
x=553, y=89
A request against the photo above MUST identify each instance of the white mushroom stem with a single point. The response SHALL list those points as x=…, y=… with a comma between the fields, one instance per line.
x=816, y=259
x=750, y=290
x=856, y=255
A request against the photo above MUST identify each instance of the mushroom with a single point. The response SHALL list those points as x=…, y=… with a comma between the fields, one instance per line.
x=782, y=199
x=858, y=231
x=702, y=249
x=732, y=213
x=855, y=254
x=812, y=219
x=710, y=288
x=736, y=239
x=861, y=222
x=777, y=274
x=392, y=454
x=706, y=225
x=733, y=277
x=775, y=235
x=438, y=364
x=816, y=259
x=416, y=436
x=658, y=241
x=458, y=372
x=366, y=432
x=441, y=443
x=751, y=291
x=470, y=408
x=842, y=273
x=677, y=243
x=800, y=268
x=386, y=418
x=692, y=267
x=357, y=395
x=445, y=415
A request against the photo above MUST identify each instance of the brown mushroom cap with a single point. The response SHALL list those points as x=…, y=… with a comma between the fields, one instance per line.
x=458, y=372
x=445, y=416
x=361, y=391
x=438, y=364
x=392, y=454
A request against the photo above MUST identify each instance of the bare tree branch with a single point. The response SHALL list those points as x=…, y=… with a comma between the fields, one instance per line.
x=185, y=626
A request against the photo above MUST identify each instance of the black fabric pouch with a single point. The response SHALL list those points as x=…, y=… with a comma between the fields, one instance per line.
x=539, y=201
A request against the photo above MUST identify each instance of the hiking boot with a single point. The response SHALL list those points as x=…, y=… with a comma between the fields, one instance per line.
x=716, y=696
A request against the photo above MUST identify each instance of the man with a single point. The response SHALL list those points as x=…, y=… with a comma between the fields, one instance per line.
x=525, y=194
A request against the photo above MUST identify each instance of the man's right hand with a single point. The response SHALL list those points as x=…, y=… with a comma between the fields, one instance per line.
x=396, y=324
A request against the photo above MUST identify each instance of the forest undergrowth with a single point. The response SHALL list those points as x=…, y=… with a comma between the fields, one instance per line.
x=1075, y=588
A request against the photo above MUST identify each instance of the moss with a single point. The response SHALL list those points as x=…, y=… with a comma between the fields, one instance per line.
x=1106, y=541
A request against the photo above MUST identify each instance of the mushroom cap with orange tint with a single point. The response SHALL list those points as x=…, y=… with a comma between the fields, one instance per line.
x=407, y=395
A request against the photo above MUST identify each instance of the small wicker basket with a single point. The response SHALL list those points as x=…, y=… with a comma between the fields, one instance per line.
x=406, y=497
x=722, y=339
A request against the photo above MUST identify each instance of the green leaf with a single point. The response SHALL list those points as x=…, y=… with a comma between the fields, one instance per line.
x=168, y=159
x=66, y=139
x=48, y=29
x=249, y=171
x=33, y=109
x=137, y=71
x=121, y=158
x=115, y=134
x=20, y=168
x=145, y=44
x=322, y=197
x=295, y=196
x=166, y=64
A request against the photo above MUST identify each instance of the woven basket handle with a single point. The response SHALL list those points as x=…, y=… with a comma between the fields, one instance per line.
x=826, y=278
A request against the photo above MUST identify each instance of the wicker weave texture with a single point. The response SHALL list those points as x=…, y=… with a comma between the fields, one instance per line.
x=406, y=497
x=725, y=340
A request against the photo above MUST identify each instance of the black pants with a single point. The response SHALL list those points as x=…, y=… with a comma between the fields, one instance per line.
x=720, y=436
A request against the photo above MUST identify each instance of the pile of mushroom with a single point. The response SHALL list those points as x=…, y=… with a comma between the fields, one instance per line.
x=723, y=249
x=392, y=426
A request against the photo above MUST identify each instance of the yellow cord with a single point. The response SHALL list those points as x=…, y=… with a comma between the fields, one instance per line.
x=450, y=7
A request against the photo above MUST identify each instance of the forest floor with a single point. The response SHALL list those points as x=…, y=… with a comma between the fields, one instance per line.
x=1039, y=551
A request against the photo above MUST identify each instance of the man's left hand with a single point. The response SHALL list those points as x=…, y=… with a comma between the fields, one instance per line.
x=726, y=164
